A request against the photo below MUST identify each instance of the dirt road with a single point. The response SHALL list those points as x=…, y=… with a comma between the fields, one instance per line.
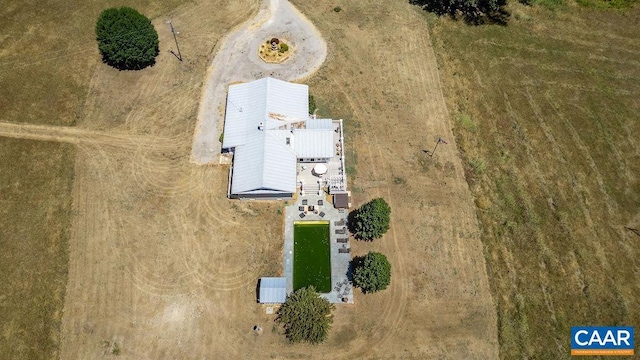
x=237, y=60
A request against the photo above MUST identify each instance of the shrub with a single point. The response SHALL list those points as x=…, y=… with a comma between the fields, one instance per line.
x=306, y=316
x=371, y=220
x=312, y=105
x=337, y=9
x=284, y=47
x=126, y=39
x=372, y=273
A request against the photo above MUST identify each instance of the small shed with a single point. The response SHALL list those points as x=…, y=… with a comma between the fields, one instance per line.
x=273, y=290
x=342, y=200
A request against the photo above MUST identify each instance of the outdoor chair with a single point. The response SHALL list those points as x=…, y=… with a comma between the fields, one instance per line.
x=302, y=215
x=304, y=202
x=320, y=202
x=322, y=214
x=301, y=208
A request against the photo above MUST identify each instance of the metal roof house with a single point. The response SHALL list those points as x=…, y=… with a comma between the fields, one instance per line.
x=273, y=290
x=268, y=129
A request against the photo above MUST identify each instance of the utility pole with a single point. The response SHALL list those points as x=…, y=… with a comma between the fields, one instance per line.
x=179, y=56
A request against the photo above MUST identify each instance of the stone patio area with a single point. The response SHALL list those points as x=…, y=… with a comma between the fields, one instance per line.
x=340, y=243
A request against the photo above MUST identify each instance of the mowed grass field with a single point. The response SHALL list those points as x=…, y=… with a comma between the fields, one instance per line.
x=47, y=56
x=546, y=115
x=35, y=213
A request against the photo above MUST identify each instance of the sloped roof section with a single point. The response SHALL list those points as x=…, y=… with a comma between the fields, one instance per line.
x=246, y=108
x=311, y=143
x=319, y=124
x=267, y=101
x=265, y=163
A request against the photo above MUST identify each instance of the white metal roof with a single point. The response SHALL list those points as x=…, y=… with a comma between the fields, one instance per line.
x=324, y=124
x=262, y=101
x=258, y=125
x=265, y=163
x=273, y=290
x=313, y=143
x=256, y=119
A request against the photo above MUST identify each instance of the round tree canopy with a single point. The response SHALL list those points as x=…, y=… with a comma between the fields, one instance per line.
x=126, y=39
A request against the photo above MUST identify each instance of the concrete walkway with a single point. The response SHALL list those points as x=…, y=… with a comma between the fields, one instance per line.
x=341, y=288
x=237, y=61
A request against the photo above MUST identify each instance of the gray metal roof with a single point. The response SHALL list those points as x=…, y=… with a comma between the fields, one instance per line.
x=313, y=143
x=273, y=290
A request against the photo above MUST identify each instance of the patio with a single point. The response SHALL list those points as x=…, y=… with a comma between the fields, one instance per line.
x=315, y=207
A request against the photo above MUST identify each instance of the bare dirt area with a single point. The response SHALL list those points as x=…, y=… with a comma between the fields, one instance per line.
x=162, y=265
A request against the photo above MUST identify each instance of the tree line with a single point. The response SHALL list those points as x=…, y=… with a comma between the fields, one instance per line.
x=471, y=11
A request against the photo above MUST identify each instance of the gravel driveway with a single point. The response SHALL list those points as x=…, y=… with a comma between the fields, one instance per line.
x=237, y=61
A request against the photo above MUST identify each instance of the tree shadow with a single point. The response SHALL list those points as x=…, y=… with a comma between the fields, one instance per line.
x=356, y=262
x=472, y=12
x=351, y=221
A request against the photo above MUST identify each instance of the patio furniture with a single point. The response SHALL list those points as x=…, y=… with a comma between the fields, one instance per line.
x=301, y=208
x=322, y=214
x=311, y=207
x=304, y=202
x=344, y=251
x=339, y=223
x=302, y=215
x=339, y=231
x=342, y=240
x=320, y=202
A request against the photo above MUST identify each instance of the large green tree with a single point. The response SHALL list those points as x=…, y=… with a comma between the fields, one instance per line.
x=371, y=220
x=126, y=39
x=372, y=273
x=306, y=316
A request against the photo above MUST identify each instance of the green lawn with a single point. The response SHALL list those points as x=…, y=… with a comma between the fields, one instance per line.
x=311, y=255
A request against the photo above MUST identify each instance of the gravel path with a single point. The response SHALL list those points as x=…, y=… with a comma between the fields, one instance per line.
x=237, y=61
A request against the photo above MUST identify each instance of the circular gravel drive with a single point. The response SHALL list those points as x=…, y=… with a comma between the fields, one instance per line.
x=237, y=60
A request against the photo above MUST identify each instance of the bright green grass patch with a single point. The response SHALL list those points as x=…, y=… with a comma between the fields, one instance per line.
x=312, y=258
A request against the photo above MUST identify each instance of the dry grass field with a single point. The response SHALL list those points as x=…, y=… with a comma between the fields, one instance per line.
x=162, y=265
x=35, y=216
x=546, y=113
